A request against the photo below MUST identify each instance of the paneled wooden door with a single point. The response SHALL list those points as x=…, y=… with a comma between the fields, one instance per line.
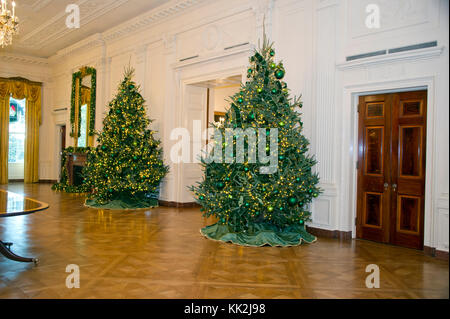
x=391, y=168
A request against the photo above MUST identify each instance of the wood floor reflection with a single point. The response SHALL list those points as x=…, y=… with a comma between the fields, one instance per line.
x=160, y=253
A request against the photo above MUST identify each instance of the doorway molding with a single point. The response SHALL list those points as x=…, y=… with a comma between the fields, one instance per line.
x=350, y=119
x=192, y=72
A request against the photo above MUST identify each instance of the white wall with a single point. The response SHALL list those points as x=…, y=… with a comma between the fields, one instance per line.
x=312, y=37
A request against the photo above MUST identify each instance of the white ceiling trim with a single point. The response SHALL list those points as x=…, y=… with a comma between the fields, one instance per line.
x=55, y=28
x=142, y=21
x=23, y=59
x=153, y=16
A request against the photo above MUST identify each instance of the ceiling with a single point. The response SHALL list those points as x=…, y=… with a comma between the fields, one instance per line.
x=43, y=28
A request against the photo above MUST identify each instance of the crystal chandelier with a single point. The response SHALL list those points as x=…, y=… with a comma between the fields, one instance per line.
x=9, y=23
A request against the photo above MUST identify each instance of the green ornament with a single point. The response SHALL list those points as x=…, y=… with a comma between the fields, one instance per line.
x=292, y=201
x=240, y=100
x=230, y=196
x=274, y=91
x=301, y=222
x=272, y=52
x=220, y=185
x=281, y=157
x=118, y=111
x=315, y=195
x=251, y=116
x=246, y=169
x=259, y=90
x=202, y=197
x=247, y=204
x=273, y=65
x=227, y=179
x=267, y=148
x=281, y=123
x=279, y=74
x=270, y=209
x=298, y=179
x=249, y=70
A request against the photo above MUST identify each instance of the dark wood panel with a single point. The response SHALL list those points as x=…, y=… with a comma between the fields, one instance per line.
x=391, y=174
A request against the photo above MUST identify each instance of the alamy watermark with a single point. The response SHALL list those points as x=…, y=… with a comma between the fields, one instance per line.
x=73, y=279
x=373, y=279
x=262, y=146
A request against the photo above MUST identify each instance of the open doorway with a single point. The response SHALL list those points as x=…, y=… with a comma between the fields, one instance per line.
x=16, y=149
x=204, y=102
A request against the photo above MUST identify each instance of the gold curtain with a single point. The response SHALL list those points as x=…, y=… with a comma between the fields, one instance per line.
x=31, y=91
x=4, y=131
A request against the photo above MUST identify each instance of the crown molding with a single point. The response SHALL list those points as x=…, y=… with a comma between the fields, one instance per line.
x=151, y=17
x=23, y=59
x=95, y=40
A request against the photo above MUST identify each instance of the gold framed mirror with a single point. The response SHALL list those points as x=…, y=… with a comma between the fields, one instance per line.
x=82, y=112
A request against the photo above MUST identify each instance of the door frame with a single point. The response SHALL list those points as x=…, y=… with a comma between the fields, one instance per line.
x=190, y=75
x=351, y=98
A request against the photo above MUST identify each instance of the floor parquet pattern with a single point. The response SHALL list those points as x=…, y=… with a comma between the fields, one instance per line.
x=160, y=253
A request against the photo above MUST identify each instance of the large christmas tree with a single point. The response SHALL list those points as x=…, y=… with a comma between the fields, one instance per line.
x=254, y=207
x=125, y=169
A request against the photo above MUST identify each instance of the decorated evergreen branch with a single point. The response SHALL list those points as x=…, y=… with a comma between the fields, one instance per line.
x=253, y=208
x=63, y=184
x=126, y=168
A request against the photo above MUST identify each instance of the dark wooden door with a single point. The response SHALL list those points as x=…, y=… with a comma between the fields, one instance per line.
x=391, y=168
x=62, y=132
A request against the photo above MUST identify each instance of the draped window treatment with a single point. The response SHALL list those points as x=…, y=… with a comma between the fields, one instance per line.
x=31, y=91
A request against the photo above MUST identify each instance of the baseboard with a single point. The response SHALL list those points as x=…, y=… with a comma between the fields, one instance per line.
x=433, y=252
x=47, y=181
x=177, y=205
x=15, y=180
x=341, y=235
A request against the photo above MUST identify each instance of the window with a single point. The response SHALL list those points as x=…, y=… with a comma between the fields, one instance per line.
x=16, y=131
x=82, y=140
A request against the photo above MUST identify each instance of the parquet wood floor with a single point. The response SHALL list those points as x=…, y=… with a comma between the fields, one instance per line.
x=160, y=253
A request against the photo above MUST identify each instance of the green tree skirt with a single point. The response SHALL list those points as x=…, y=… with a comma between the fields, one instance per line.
x=124, y=202
x=262, y=234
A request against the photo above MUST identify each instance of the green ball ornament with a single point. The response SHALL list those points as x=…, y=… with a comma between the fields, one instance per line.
x=273, y=65
x=251, y=116
x=315, y=195
x=281, y=123
x=272, y=52
x=298, y=179
x=230, y=196
x=281, y=157
x=274, y=91
x=301, y=222
x=249, y=70
x=118, y=111
x=292, y=201
x=246, y=169
x=202, y=197
x=270, y=209
x=259, y=90
x=279, y=74
x=240, y=100
x=227, y=179
x=220, y=185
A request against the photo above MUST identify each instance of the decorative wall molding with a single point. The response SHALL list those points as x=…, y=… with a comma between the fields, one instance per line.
x=415, y=55
x=23, y=59
x=201, y=59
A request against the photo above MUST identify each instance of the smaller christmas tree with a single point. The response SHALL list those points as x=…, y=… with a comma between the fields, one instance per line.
x=125, y=170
